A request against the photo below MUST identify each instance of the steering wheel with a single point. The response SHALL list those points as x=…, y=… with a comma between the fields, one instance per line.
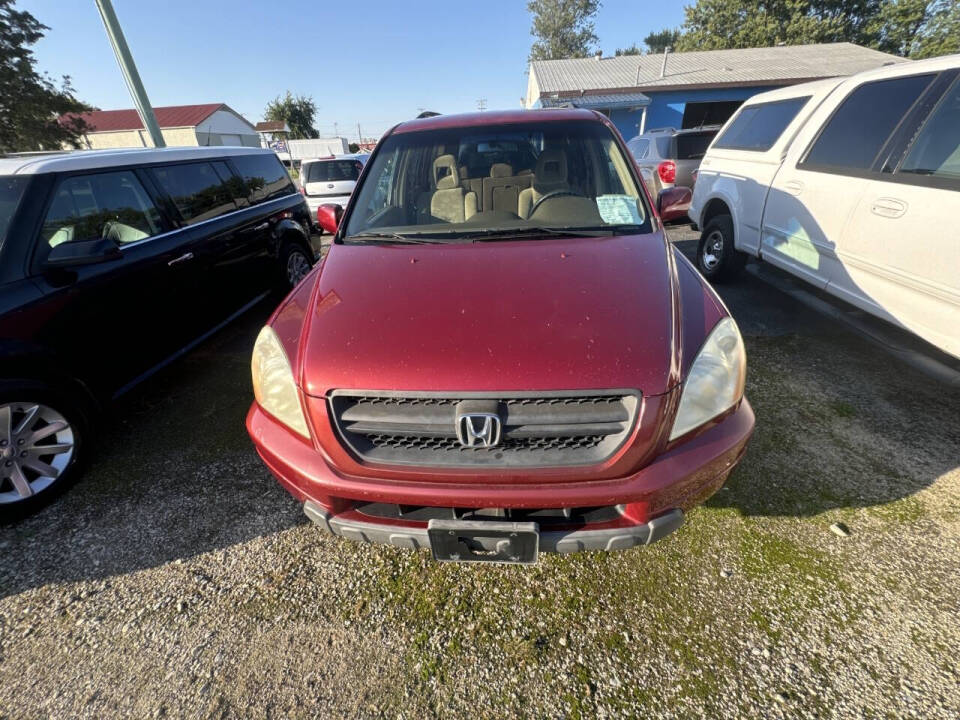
x=552, y=194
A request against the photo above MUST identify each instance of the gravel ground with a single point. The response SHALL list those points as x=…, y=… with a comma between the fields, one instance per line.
x=179, y=580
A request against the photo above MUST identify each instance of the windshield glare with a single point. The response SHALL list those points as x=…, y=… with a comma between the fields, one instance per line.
x=11, y=190
x=463, y=182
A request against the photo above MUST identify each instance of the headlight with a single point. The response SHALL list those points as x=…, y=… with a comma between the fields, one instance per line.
x=273, y=383
x=715, y=381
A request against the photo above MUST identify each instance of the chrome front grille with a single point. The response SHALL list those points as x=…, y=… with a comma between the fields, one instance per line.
x=540, y=430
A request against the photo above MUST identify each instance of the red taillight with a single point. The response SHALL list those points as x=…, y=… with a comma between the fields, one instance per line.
x=667, y=170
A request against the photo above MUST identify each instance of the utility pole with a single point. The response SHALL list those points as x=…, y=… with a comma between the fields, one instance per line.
x=336, y=133
x=359, y=136
x=129, y=70
x=482, y=104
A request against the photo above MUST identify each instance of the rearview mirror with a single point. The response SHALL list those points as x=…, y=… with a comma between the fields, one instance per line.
x=673, y=204
x=328, y=217
x=83, y=252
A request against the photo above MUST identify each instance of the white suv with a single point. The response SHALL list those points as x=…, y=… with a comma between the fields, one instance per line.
x=852, y=184
x=330, y=180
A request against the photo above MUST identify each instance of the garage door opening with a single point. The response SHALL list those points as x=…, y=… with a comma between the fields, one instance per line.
x=717, y=112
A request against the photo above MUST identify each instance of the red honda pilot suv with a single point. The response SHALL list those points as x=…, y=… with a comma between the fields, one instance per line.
x=501, y=353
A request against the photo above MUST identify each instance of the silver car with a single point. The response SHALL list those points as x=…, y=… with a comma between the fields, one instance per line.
x=668, y=157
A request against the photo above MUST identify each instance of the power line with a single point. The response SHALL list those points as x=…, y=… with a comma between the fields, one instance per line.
x=481, y=104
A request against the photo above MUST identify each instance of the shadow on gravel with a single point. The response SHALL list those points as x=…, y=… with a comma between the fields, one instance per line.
x=840, y=423
x=173, y=475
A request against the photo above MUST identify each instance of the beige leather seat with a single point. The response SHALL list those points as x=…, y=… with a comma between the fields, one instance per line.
x=501, y=191
x=470, y=184
x=549, y=174
x=449, y=202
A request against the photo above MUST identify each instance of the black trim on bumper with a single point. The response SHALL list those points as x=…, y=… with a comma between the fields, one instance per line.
x=559, y=541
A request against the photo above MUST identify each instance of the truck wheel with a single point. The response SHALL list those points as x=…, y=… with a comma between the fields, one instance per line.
x=717, y=258
x=42, y=435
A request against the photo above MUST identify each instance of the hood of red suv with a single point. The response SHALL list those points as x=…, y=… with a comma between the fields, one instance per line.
x=558, y=314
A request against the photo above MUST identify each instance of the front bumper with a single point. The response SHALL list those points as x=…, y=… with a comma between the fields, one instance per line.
x=673, y=483
x=561, y=541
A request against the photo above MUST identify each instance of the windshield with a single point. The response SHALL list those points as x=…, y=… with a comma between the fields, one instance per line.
x=521, y=180
x=333, y=170
x=11, y=190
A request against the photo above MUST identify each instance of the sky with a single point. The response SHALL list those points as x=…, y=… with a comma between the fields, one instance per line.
x=367, y=62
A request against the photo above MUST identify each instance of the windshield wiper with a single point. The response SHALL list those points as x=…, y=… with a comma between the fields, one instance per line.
x=493, y=234
x=396, y=238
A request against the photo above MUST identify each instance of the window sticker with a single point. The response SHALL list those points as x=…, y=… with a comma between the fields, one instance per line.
x=619, y=210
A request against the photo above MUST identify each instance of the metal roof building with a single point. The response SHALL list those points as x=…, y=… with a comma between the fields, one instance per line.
x=181, y=125
x=691, y=88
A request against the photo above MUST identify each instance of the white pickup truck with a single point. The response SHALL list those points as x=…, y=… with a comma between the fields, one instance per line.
x=853, y=185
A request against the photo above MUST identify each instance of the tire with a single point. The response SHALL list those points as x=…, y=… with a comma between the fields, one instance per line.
x=717, y=258
x=32, y=408
x=295, y=263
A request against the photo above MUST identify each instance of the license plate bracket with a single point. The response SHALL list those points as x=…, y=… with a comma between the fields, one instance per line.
x=483, y=541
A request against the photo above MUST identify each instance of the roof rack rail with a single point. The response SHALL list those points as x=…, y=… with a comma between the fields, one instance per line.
x=427, y=114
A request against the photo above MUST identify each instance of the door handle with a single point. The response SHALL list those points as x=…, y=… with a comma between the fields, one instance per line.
x=261, y=226
x=888, y=207
x=794, y=187
x=182, y=258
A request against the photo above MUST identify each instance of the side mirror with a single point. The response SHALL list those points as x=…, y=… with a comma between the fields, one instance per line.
x=673, y=204
x=328, y=217
x=83, y=252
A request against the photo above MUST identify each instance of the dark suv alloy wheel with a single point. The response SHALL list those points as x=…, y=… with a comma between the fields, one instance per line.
x=717, y=259
x=295, y=264
x=41, y=448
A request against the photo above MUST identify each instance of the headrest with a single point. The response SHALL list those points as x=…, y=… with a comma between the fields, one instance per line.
x=551, y=168
x=449, y=180
x=501, y=170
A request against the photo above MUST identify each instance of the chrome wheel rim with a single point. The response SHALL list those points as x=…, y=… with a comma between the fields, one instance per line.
x=36, y=446
x=713, y=250
x=297, y=267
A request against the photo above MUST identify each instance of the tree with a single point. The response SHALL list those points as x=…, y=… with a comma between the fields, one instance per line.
x=562, y=28
x=35, y=114
x=632, y=50
x=296, y=111
x=911, y=28
x=659, y=41
x=939, y=34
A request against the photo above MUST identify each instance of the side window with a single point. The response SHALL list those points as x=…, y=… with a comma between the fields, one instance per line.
x=936, y=150
x=110, y=205
x=853, y=137
x=234, y=183
x=639, y=148
x=663, y=146
x=758, y=127
x=265, y=177
x=382, y=196
x=196, y=189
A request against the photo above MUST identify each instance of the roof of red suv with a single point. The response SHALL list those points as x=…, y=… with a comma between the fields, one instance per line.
x=496, y=117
